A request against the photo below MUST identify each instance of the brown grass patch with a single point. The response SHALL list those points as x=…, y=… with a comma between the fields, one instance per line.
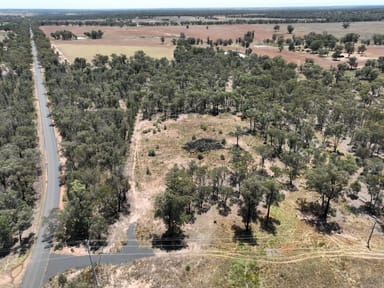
x=87, y=51
x=324, y=272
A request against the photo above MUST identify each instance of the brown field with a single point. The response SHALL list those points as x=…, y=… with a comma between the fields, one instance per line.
x=71, y=51
x=127, y=40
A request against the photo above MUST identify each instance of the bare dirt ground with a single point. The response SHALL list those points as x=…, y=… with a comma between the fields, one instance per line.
x=62, y=57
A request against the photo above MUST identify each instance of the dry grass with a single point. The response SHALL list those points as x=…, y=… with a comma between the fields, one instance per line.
x=364, y=29
x=71, y=51
x=2, y=35
x=323, y=272
x=167, y=140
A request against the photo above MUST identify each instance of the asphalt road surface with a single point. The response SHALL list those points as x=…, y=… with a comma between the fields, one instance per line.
x=43, y=264
x=38, y=263
x=129, y=253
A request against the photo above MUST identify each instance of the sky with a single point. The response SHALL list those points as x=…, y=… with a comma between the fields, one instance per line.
x=136, y=4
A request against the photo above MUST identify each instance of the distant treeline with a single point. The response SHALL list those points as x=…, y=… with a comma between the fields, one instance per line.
x=204, y=17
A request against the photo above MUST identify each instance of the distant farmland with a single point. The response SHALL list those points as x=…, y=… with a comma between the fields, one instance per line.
x=127, y=40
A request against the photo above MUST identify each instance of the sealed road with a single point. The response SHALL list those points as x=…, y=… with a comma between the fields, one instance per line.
x=43, y=264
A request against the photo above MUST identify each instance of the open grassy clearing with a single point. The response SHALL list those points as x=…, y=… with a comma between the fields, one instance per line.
x=2, y=35
x=71, y=51
x=322, y=272
x=364, y=29
x=167, y=140
x=220, y=271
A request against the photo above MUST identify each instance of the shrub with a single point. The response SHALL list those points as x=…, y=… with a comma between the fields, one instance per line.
x=151, y=153
x=200, y=156
x=62, y=280
x=58, y=246
x=202, y=145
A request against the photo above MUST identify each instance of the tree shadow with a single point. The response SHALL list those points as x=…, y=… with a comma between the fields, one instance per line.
x=224, y=209
x=14, y=247
x=309, y=208
x=370, y=209
x=26, y=244
x=8, y=247
x=315, y=212
x=243, y=236
x=269, y=225
x=170, y=241
x=290, y=187
x=203, y=209
x=125, y=209
x=381, y=225
x=357, y=210
x=324, y=227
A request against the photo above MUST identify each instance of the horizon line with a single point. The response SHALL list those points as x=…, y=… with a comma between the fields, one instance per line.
x=202, y=8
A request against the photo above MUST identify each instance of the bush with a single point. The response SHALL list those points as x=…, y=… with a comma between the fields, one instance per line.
x=203, y=127
x=222, y=157
x=200, y=156
x=58, y=246
x=148, y=172
x=62, y=280
x=151, y=153
x=202, y=145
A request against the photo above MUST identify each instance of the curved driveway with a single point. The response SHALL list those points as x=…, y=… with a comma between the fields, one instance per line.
x=43, y=264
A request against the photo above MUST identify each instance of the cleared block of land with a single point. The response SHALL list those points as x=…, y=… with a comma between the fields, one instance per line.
x=71, y=51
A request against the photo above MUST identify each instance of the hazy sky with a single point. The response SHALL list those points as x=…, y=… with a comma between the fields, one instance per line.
x=127, y=4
